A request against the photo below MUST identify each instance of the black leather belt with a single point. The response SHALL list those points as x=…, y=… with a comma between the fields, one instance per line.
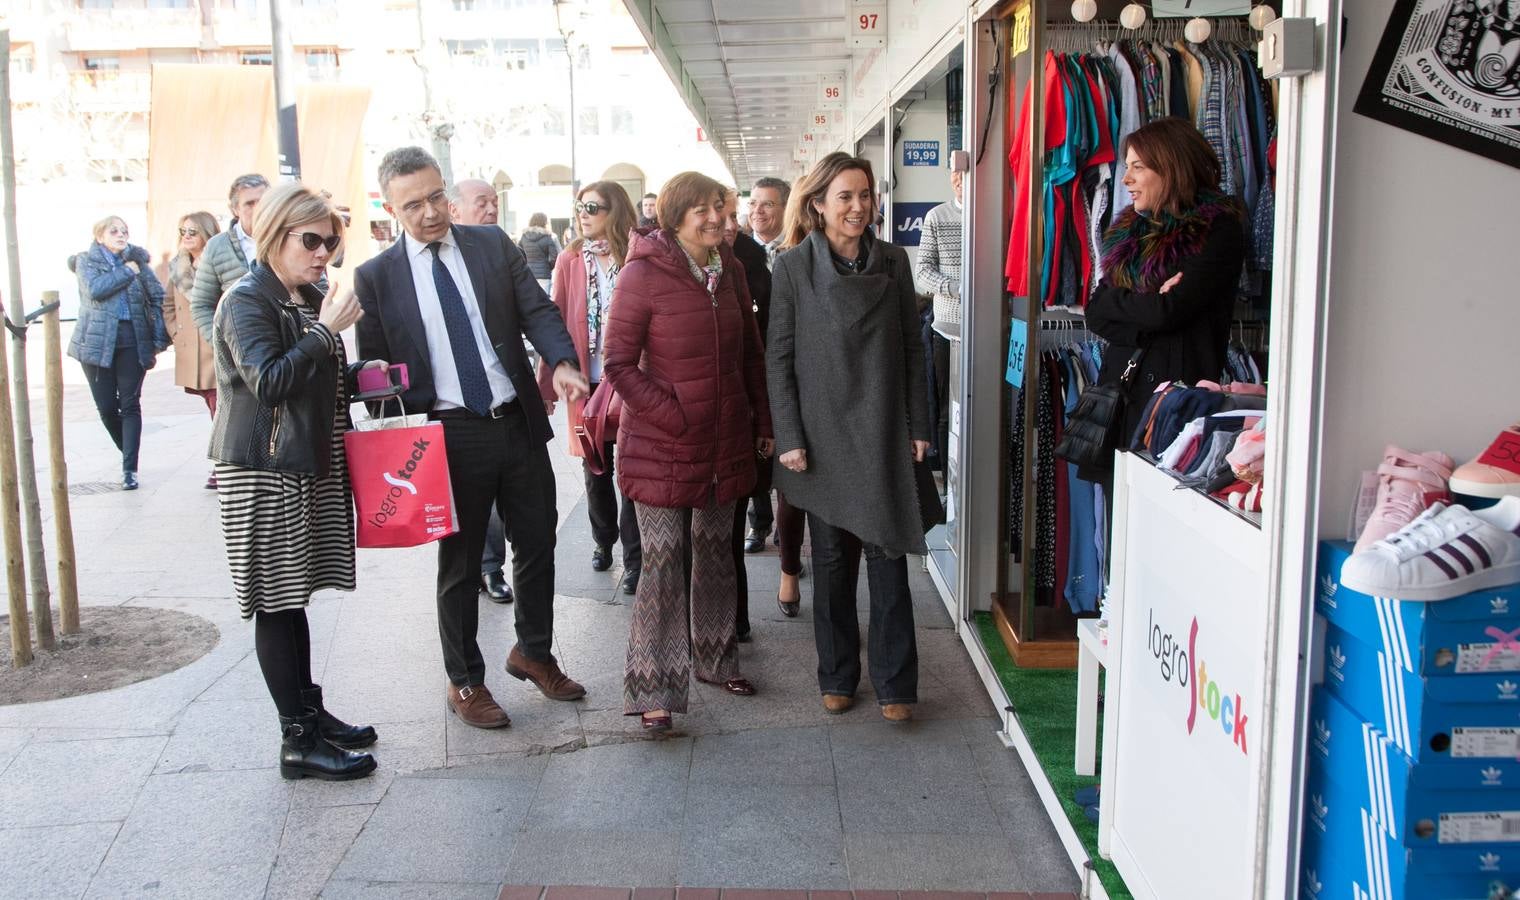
x=499, y=412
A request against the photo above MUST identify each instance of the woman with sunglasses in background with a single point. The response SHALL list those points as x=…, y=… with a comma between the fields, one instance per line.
x=194, y=369
x=283, y=388
x=119, y=334
x=584, y=276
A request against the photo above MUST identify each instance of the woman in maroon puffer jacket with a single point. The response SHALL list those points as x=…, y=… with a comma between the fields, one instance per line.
x=685, y=355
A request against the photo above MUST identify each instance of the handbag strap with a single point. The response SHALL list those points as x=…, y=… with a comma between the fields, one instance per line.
x=1129, y=368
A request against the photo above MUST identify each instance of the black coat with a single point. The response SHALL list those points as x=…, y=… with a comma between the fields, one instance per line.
x=757, y=276
x=512, y=306
x=276, y=380
x=540, y=249
x=1184, y=331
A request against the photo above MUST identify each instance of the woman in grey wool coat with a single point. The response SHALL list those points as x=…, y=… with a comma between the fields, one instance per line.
x=846, y=377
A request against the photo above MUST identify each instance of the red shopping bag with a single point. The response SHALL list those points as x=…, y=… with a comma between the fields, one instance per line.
x=400, y=478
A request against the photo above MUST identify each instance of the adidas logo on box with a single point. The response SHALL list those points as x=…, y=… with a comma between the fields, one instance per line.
x=1327, y=589
x=1499, y=606
x=1321, y=734
x=1337, y=661
x=1508, y=690
x=1493, y=776
x=1312, y=883
x=1489, y=862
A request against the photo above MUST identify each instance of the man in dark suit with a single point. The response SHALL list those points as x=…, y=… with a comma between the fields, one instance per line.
x=453, y=302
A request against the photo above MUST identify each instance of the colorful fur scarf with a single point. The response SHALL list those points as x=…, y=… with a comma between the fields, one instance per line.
x=1141, y=252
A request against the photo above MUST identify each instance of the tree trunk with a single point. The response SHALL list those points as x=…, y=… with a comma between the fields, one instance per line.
x=63, y=520
x=10, y=510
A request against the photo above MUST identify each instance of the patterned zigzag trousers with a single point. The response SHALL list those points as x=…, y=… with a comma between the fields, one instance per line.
x=669, y=636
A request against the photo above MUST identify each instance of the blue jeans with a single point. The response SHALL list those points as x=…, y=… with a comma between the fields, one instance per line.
x=117, y=390
x=892, y=643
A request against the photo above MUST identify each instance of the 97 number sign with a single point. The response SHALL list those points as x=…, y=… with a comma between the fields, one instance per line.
x=867, y=25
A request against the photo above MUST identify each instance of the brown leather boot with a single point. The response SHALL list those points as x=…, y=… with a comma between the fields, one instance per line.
x=556, y=685
x=897, y=712
x=837, y=703
x=476, y=707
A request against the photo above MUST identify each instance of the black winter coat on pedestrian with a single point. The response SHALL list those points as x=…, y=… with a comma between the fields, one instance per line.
x=757, y=275
x=277, y=379
x=1184, y=331
x=540, y=249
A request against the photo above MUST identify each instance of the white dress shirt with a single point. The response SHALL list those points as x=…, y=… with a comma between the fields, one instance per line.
x=440, y=353
x=250, y=249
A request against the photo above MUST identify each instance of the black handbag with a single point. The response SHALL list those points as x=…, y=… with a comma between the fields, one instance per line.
x=1092, y=431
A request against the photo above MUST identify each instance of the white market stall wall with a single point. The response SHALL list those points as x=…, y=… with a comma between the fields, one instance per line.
x=1422, y=311
x=919, y=185
x=914, y=28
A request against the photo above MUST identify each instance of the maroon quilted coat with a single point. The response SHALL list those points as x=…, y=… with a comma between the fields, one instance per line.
x=691, y=371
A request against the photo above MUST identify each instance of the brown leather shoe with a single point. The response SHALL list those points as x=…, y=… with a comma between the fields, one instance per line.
x=556, y=685
x=837, y=703
x=897, y=712
x=476, y=707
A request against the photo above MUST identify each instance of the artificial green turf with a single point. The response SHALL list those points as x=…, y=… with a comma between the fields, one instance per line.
x=1045, y=700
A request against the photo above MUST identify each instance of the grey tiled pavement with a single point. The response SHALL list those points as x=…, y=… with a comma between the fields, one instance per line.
x=168, y=788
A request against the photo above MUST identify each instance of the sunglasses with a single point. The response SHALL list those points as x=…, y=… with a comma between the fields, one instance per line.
x=189, y=232
x=592, y=209
x=311, y=240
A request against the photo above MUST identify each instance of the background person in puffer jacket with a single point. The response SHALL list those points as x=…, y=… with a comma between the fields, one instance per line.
x=119, y=334
x=684, y=353
x=540, y=249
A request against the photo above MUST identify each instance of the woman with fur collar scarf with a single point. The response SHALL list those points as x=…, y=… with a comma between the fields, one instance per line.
x=194, y=369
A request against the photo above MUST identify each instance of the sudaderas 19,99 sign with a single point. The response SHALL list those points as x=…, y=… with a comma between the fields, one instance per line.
x=920, y=153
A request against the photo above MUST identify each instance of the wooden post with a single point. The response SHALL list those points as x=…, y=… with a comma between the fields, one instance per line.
x=10, y=510
x=63, y=519
x=26, y=463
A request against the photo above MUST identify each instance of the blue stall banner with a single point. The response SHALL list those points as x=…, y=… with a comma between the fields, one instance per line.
x=920, y=153
x=908, y=222
x=1018, y=342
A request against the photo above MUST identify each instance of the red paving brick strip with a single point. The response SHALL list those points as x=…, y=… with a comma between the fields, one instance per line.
x=1021, y=895
x=880, y=895
x=748, y=894
x=574, y=892
x=830, y=895
x=521, y=892
x=939, y=895
x=657, y=894
x=687, y=893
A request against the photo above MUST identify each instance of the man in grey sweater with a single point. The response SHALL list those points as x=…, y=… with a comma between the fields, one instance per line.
x=227, y=255
x=938, y=272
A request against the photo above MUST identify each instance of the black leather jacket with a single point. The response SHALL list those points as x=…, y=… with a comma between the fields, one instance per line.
x=277, y=381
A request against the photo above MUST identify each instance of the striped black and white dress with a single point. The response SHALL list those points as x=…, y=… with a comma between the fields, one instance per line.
x=290, y=534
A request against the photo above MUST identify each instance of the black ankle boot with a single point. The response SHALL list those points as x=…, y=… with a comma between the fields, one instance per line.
x=306, y=754
x=337, y=732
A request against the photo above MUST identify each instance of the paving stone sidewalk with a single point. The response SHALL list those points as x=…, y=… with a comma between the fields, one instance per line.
x=168, y=788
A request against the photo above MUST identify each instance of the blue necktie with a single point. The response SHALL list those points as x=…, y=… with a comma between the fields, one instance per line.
x=472, y=373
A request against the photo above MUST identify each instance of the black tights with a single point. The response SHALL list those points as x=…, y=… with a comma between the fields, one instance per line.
x=283, y=643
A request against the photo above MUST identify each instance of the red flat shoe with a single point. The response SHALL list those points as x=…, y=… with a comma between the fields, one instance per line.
x=737, y=686
x=654, y=724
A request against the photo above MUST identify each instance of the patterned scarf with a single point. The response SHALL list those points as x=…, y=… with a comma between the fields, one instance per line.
x=590, y=250
x=1140, y=252
x=707, y=275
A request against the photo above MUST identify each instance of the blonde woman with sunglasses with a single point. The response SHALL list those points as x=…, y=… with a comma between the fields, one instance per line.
x=119, y=334
x=194, y=368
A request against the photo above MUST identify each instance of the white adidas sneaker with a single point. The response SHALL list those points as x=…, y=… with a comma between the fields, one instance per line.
x=1446, y=552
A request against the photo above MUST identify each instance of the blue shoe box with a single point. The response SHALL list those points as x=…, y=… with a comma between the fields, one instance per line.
x=1445, y=637
x=1424, y=805
x=1378, y=826
x=1430, y=719
x=1351, y=858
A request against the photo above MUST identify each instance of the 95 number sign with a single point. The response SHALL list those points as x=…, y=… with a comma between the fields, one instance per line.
x=866, y=25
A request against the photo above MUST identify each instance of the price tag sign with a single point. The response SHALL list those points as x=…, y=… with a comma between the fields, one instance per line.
x=1208, y=9
x=866, y=25
x=920, y=153
x=831, y=91
x=1018, y=342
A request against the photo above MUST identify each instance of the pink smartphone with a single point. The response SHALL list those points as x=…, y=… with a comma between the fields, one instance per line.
x=374, y=384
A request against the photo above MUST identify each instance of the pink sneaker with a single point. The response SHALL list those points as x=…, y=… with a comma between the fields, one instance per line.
x=1408, y=483
x=1495, y=474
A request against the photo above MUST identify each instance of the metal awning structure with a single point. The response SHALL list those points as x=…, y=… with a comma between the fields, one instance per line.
x=748, y=69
